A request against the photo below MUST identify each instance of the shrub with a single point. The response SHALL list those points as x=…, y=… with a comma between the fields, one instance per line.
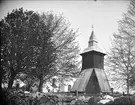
x=12, y=97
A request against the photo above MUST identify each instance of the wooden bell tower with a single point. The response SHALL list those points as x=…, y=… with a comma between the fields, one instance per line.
x=92, y=78
x=93, y=56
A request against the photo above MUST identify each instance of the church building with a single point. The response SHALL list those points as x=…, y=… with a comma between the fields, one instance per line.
x=92, y=78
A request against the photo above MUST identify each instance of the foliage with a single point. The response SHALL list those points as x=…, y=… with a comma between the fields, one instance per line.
x=15, y=48
x=58, y=53
x=37, y=46
x=12, y=97
x=43, y=52
x=28, y=80
x=121, y=58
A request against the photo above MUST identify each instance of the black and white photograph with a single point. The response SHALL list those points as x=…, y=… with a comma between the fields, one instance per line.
x=67, y=52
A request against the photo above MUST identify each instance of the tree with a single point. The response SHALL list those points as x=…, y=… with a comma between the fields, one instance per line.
x=13, y=48
x=43, y=56
x=67, y=49
x=63, y=53
x=36, y=45
x=127, y=24
x=25, y=39
x=121, y=58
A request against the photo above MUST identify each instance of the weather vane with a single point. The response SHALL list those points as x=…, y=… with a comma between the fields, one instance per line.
x=92, y=27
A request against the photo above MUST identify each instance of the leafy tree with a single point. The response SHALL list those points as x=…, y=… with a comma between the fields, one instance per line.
x=40, y=46
x=14, y=42
x=43, y=56
x=121, y=58
x=27, y=40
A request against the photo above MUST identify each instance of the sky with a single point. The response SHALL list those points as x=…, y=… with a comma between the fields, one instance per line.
x=82, y=14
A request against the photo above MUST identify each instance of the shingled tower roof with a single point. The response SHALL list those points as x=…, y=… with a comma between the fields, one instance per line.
x=93, y=44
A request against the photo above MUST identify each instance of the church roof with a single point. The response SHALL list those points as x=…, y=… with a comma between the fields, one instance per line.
x=93, y=48
x=84, y=80
x=93, y=45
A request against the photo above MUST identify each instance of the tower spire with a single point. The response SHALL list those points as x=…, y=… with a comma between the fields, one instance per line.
x=92, y=39
x=93, y=44
x=92, y=27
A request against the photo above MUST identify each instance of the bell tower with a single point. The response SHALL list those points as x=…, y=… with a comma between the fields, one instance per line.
x=92, y=78
x=93, y=56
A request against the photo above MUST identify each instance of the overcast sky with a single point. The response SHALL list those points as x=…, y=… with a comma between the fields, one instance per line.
x=82, y=14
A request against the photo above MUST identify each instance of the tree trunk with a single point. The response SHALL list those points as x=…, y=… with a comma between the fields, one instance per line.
x=11, y=79
x=0, y=81
x=128, y=86
x=40, y=84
